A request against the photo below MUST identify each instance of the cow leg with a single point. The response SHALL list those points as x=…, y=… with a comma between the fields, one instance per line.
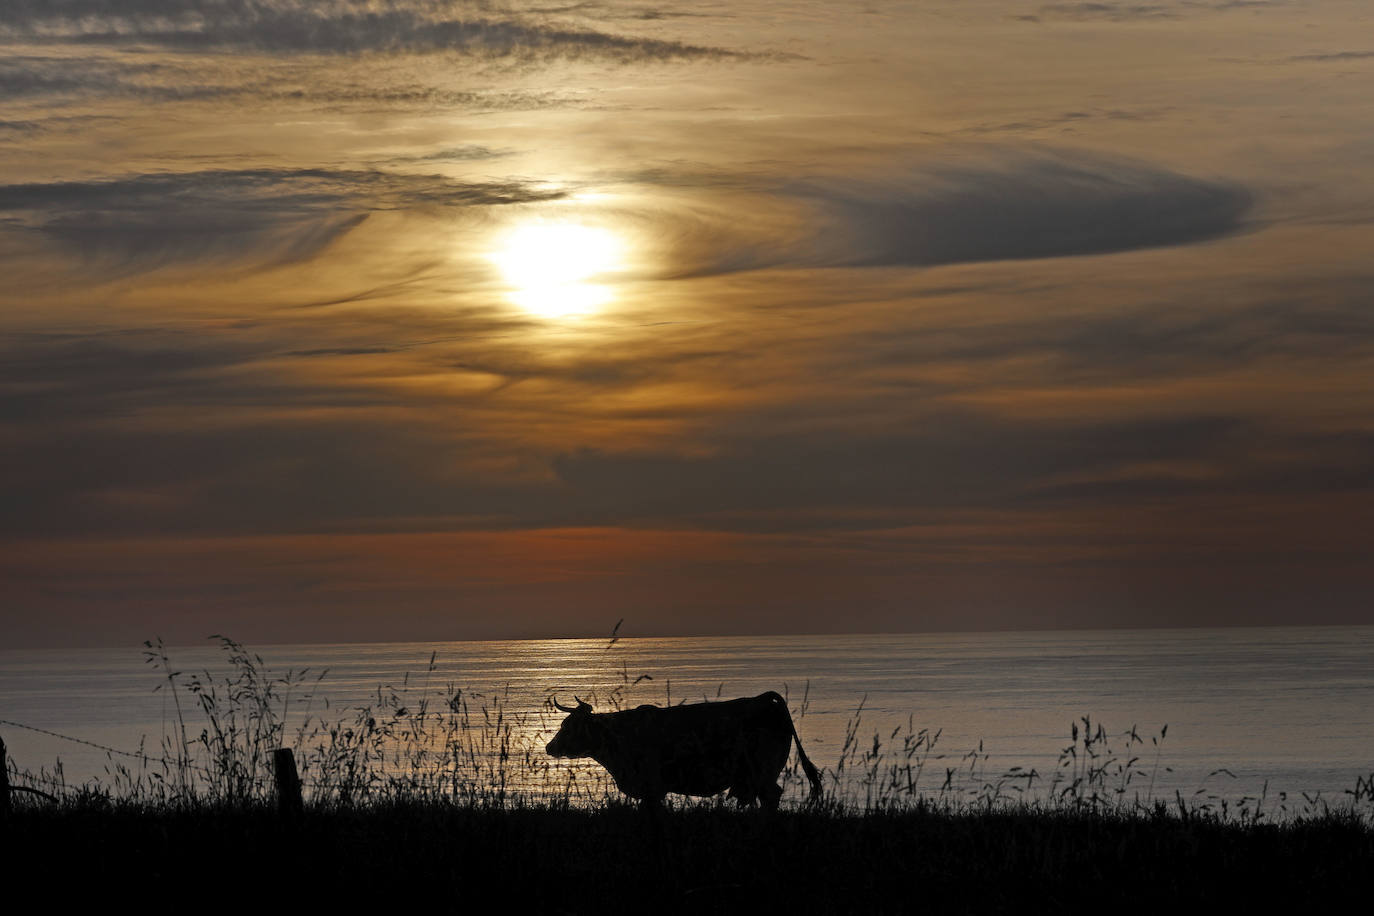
x=770, y=796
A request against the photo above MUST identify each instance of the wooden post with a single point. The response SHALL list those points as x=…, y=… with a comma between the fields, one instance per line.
x=4, y=781
x=289, y=802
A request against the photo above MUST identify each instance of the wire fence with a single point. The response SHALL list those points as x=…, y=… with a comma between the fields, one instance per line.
x=55, y=782
x=100, y=747
x=358, y=771
x=143, y=758
x=409, y=743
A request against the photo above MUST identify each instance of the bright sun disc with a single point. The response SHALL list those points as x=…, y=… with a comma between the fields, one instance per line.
x=550, y=265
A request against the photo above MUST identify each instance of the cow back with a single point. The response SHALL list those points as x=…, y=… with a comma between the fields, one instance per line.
x=698, y=748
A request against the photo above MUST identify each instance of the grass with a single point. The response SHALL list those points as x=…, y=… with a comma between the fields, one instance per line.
x=614, y=858
x=433, y=788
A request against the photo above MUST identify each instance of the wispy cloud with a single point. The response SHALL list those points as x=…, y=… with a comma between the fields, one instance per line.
x=20, y=127
x=991, y=205
x=1062, y=122
x=468, y=153
x=1134, y=12
x=39, y=77
x=281, y=214
x=1022, y=207
x=1333, y=56
x=326, y=27
x=1114, y=11
x=428, y=415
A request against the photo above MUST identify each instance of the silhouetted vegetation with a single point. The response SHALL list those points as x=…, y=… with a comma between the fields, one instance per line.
x=408, y=795
x=614, y=858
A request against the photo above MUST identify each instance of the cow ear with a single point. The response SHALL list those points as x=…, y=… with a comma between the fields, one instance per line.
x=583, y=706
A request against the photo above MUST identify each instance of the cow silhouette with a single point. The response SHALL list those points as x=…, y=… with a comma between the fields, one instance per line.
x=698, y=749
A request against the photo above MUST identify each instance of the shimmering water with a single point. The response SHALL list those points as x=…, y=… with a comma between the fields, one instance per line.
x=1290, y=706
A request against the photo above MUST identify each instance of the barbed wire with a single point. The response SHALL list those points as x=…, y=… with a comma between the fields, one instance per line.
x=144, y=758
x=182, y=763
x=102, y=747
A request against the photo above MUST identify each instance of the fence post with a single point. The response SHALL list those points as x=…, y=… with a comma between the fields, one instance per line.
x=4, y=781
x=289, y=802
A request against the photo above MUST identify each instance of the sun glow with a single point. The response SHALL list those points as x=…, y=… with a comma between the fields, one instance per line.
x=551, y=267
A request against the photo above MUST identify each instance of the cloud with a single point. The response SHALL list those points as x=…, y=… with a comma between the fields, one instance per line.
x=324, y=27
x=344, y=459
x=44, y=125
x=229, y=78
x=279, y=450
x=1117, y=12
x=952, y=460
x=1333, y=56
x=148, y=220
x=471, y=152
x=999, y=205
x=1062, y=121
x=66, y=377
x=341, y=351
x=1133, y=12
x=29, y=76
x=615, y=11
x=1131, y=344
x=389, y=418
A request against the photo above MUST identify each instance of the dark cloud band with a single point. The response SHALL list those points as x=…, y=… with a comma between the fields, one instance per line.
x=156, y=219
x=999, y=205
x=324, y=27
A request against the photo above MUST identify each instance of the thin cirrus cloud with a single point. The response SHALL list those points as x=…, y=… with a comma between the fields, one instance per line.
x=44, y=78
x=285, y=214
x=257, y=475
x=995, y=205
x=1001, y=205
x=956, y=459
x=1134, y=12
x=353, y=449
x=325, y=27
x=1332, y=56
x=37, y=77
x=471, y=152
x=1112, y=11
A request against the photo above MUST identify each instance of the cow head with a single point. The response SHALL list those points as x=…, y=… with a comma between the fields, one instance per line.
x=578, y=736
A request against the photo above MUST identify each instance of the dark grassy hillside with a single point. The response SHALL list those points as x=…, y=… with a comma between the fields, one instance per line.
x=699, y=859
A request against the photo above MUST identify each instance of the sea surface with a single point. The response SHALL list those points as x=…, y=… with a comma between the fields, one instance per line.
x=1218, y=714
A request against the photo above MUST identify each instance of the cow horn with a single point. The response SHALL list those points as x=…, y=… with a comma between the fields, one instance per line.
x=563, y=708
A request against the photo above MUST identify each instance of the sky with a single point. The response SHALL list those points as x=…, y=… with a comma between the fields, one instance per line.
x=340, y=320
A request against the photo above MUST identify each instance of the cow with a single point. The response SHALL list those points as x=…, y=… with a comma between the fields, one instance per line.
x=698, y=749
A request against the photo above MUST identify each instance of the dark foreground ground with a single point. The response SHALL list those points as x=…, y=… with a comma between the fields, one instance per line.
x=617, y=860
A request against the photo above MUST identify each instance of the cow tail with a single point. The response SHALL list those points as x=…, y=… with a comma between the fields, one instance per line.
x=812, y=774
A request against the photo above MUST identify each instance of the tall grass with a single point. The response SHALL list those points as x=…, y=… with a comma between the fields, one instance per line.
x=419, y=741
x=414, y=741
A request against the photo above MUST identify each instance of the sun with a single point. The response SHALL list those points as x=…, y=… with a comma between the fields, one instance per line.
x=551, y=267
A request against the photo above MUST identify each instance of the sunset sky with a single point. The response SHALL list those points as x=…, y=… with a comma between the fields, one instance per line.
x=331, y=320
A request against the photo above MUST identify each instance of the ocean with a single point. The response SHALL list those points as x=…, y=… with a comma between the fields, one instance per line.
x=1217, y=714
